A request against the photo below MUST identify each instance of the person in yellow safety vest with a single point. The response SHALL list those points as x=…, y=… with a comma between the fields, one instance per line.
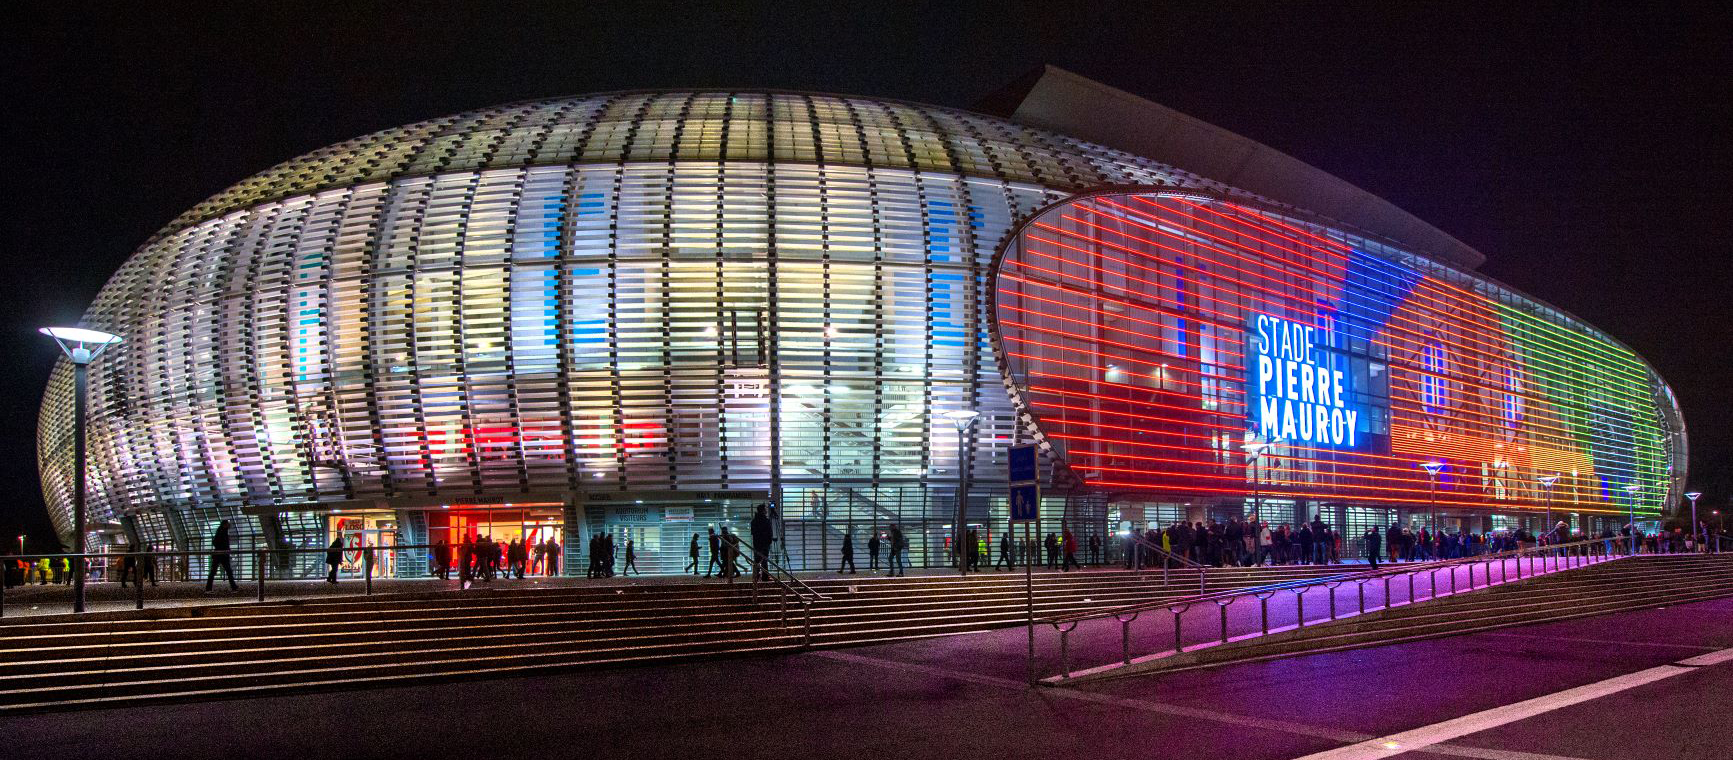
x=65, y=574
x=43, y=566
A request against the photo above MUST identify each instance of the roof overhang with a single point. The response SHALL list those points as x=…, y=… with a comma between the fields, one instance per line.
x=1074, y=105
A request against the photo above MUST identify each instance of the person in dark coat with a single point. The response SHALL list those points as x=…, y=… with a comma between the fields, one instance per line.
x=692, y=551
x=555, y=550
x=1304, y=539
x=1374, y=538
x=140, y=567
x=333, y=558
x=847, y=553
x=220, y=558
x=442, y=560
x=873, y=551
x=898, y=545
x=715, y=553
x=631, y=559
x=1005, y=548
x=762, y=536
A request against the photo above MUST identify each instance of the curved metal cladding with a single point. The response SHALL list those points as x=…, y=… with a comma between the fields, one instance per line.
x=1150, y=335
x=622, y=293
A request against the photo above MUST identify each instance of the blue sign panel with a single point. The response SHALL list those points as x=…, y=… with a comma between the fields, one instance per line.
x=1022, y=462
x=1025, y=502
x=1299, y=392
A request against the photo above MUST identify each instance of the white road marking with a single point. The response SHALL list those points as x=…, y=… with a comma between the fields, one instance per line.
x=1437, y=733
x=1581, y=640
x=1126, y=702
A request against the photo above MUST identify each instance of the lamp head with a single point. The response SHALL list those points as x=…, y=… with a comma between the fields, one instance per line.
x=1432, y=467
x=1693, y=495
x=1633, y=488
x=1547, y=480
x=1255, y=448
x=80, y=345
x=962, y=418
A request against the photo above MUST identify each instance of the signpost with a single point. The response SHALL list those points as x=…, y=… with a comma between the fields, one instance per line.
x=1026, y=509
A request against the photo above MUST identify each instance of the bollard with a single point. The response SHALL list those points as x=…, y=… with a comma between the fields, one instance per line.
x=1177, y=646
x=1065, y=652
x=1300, y=609
x=1362, y=593
x=1264, y=613
x=1332, y=590
x=1125, y=639
x=1224, y=611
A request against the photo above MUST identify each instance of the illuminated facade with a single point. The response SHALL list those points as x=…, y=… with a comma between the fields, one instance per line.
x=1186, y=344
x=644, y=313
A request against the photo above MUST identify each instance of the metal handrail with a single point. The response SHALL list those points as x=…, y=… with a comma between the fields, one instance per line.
x=1343, y=577
x=1126, y=614
x=1143, y=541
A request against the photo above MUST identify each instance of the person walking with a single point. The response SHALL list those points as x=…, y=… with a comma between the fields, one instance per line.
x=897, y=565
x=1005, y=546
x=762, y=536
x=1069, y=545
x=333, y=558
x=873, y=550
x=1373, y=538
x=220, y=558
x=715, y=553
x=465, y=556
x=692, y=552
x=847, y=553
x=972, y=551
x=138, y=567
x=631, y=559
x=442, y=560
x=555, y=552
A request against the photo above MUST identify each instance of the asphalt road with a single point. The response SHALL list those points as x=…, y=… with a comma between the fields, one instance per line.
x=940, y=698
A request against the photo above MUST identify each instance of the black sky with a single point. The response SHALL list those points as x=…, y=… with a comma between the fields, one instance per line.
x=1587, y=152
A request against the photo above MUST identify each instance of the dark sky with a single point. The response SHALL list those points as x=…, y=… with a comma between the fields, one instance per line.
x=1586, y=152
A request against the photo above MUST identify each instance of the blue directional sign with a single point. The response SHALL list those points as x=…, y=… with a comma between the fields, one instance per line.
x=1025, y=503
x=1023, y=462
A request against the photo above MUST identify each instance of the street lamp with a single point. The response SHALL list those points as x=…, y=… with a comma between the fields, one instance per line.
x=1254, y=456
x=81, y=346
x=1432, y=468
x=1696, y=530
x=1632, y=489
x=1546, y=482
x=962, y=418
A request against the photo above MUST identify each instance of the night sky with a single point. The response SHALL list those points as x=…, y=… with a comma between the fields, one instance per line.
x=1587, y=153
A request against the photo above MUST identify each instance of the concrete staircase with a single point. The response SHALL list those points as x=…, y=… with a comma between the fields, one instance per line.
x=1626, y=584
x=125, y=658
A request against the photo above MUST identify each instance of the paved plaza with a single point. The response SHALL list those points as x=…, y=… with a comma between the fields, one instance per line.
x=942, y=697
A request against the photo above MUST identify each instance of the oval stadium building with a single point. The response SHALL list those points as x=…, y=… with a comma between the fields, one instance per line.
x=647, y=313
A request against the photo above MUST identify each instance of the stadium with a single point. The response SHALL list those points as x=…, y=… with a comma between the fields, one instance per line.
x=646, y=313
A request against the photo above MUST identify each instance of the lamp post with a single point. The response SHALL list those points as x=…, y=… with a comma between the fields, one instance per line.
x=1632, y=489
x=962, y=418
x=1696, y=529
x=81, y=347
x=1546, y=482
x=1254, y=457
x=1432, y=469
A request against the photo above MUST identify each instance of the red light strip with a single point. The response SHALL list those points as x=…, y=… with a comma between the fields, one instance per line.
x=1239, y=231
x=1156, y=338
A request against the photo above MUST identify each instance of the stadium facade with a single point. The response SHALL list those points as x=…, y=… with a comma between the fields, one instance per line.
x=645, y=313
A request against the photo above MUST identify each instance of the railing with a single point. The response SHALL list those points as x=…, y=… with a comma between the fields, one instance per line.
x=1559, y=556
x=788, y=584
x=261, y=565
x=1167, y=559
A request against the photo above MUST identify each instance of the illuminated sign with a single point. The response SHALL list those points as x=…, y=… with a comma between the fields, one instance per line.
x=1299, y=398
